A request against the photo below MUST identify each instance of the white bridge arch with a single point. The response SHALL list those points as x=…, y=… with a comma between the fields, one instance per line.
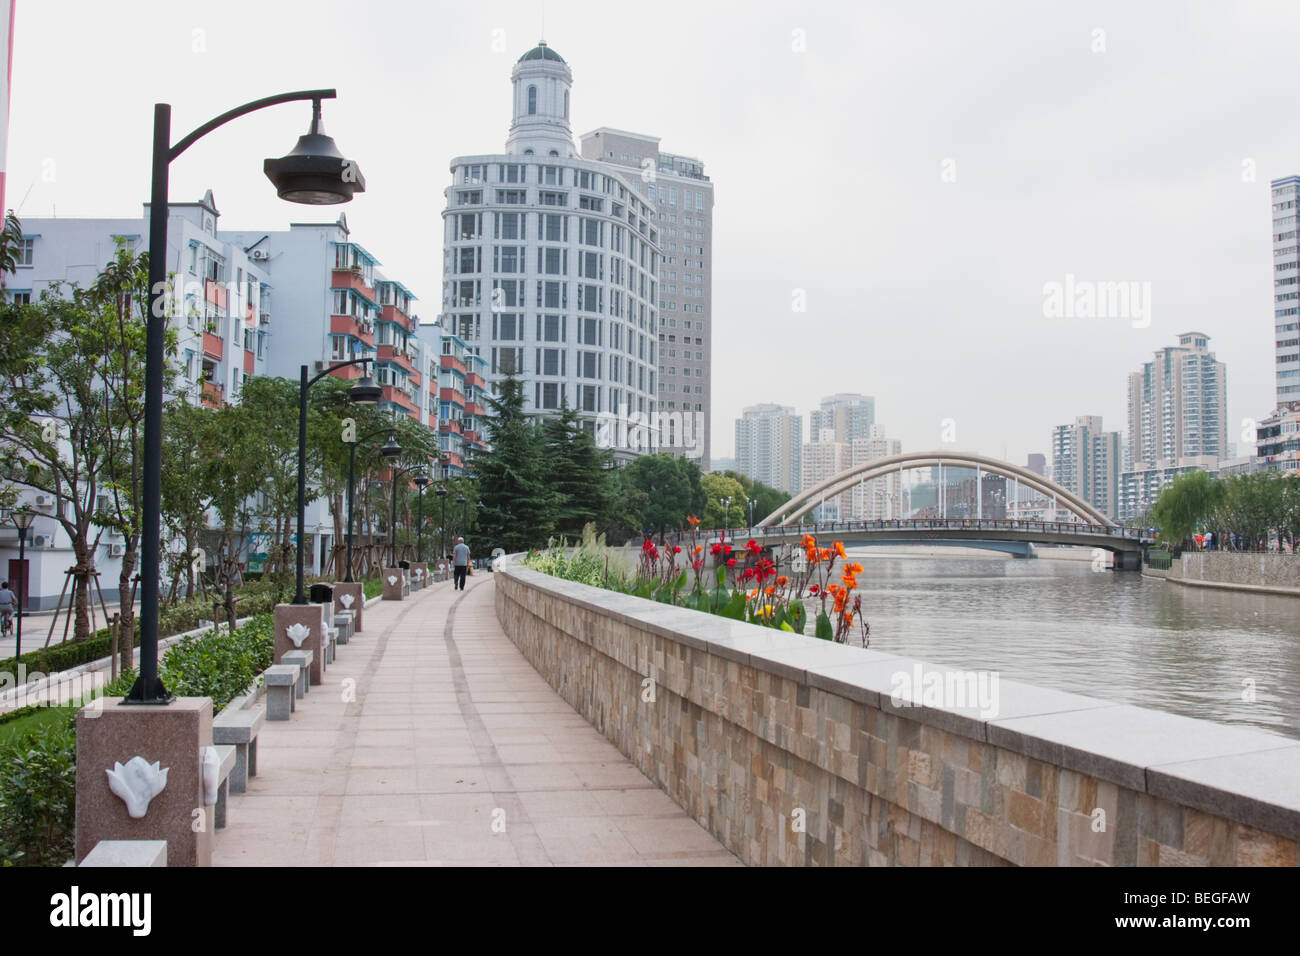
x=883, y=467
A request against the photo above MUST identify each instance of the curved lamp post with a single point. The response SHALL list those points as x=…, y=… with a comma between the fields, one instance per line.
x=22, y=519
x=390, y=449
x=464, y=513
x=726, y=516
x=365, y=392
x=313, y=173
x=421, y=480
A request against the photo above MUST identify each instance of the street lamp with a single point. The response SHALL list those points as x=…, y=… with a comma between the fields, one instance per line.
x=314, y=173
x=22, y=519
x=442, y=531
x=365, y=392
x=726, y=516
x=420, y=481
x=752, y=502
x=390, y=449
x=464, y=513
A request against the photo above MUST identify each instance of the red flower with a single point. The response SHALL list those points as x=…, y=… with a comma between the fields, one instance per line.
x=731, y=562
x=676, y=550
x=716, y=549
x=813, y=589
x=753, y=547
x=726, y=549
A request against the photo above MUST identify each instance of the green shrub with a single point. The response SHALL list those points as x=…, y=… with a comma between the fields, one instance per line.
x=38, y=791
x=219, y=664
x=372, y=587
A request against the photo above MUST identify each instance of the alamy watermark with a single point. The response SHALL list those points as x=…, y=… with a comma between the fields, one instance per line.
x=641, y=432
x=947, y=688
x=1087, y=299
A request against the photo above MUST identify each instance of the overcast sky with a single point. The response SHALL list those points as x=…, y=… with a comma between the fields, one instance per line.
x=920, y=170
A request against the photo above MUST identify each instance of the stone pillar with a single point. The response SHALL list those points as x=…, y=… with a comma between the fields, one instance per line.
x=311, y=617
x=422, y=579
x=358, y=593
x=111, y=733
x=393, y=579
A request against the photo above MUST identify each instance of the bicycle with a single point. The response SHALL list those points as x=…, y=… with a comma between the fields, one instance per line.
x=6, y=621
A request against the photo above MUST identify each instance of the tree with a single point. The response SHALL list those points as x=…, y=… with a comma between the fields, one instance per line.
x=1185, y=504
x=577, y=471
x=768, y=499
x=716, y=487
x=671, y=488
x=11, y=238
x=519, y=509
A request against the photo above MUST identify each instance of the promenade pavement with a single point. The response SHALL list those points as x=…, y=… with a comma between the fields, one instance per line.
x=432, y=741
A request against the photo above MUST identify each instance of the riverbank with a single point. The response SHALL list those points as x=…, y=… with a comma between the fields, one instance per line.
x=1272, y=574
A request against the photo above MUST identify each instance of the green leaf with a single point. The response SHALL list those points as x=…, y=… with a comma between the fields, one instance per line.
x=735, y=608
x=824, y=630
x=786, y=627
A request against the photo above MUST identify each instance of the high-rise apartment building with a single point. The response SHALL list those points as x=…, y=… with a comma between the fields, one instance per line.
x=551, y=267
x=820, y=461
x=1086, y=461
x=1177, y=407
x=847, y=416
x=879, y=498
x=1286, y=288
x=677, y=187
x=769, y=440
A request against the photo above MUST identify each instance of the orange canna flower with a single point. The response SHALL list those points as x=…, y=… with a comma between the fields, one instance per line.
x=839, y=549
x=769, y=590
x=782, y=581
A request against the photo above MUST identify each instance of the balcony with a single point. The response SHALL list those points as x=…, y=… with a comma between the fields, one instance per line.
x=392, y=313
x=390, y=353
x=452, y=395
x=213, y=396
x=473, y=379
x=213, y=346
x=474, y=408
x=449, y=426
x=250, y=360
x=356, y=281
x=214, y=292
x=453, y=363
x=351, y=325
x=399, y=397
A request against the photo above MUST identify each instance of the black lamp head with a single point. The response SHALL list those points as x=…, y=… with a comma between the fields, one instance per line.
x=365, y=392
x=390, y=448
x=314, y=172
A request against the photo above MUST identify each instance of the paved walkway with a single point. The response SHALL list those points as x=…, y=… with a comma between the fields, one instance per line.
x=432, y=741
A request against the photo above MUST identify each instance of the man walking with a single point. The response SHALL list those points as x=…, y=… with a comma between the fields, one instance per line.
x=460, y=563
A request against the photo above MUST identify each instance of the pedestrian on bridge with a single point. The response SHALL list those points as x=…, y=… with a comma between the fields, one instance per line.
x=460, y=562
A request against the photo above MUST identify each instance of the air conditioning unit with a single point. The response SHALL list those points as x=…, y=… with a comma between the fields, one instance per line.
x=265, y=318
x=41, y=541
x=44, y=501
x=320, y=366
x=116, y=550
x=261, y=255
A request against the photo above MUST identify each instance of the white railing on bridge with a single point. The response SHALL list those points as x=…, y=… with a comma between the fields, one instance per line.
x=817, y=529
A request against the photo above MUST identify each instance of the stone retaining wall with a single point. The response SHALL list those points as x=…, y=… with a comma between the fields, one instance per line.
x=792, y=751
x=1226, y=567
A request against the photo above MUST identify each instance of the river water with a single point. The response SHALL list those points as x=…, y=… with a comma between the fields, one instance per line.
x=1113, y=635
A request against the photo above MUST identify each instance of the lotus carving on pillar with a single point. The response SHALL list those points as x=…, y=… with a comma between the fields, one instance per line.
x=137, y=782
x=346, y=600
x=297, y=632
x=392, y=579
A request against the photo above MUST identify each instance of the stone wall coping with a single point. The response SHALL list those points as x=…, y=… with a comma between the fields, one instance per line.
x=1242, y=773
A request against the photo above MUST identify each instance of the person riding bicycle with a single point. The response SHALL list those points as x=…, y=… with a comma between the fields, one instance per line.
x=8, y=601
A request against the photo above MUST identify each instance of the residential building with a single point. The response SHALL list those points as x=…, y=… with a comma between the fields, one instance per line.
x=1140, y=487
x=1037, y=463
x=769, y=440
x=682, y=194
x=1286, y=288
x=1086, y=460
x=1177, y=407
x=878, y=498
x=1278, y=438
x=847, y=416
x=820, y=461
x=551, y=267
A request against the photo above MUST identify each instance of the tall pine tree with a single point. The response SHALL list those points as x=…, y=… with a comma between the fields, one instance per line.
x=519, y=508
x=577, y=471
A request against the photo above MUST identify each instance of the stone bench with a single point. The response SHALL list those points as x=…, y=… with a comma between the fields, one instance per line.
x=127, y=853
x=281, y=681
x=303, y=660
x=239, y=728
x=226, y=757
x=343, y=624
x=327, y=644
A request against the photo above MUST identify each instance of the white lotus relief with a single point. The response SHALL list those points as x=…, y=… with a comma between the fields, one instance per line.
x=346, y=600
x=297, y=632
x=137, y=783
x=211, y=774
x=392, y=579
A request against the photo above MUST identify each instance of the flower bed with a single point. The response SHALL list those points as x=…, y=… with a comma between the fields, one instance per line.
x=744, y=584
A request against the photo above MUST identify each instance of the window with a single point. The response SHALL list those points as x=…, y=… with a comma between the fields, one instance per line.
x=507, y=326
x=505, y=361
x=552, y=227
x=512, y=197
x=552, y=328
x=511, y=225
x=588, y=365
x=468, y=260
x=469, y=197
x=552, y=261
x=22, y=298
x=532, y=101
x=508, y=259
x=23, y=252
x=590, y=232
x=548, y=198
x=552, y=295
x=512, y=173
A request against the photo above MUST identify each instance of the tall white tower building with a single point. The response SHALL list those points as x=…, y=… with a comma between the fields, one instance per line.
x=1286, y=287
x=551, y=267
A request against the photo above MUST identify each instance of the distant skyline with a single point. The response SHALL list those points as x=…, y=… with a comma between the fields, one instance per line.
x=915, y=176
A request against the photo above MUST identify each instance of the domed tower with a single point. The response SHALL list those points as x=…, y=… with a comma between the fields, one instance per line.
x=542, y=81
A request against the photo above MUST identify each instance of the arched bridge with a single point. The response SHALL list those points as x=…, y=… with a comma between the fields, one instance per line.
x=1090, y=529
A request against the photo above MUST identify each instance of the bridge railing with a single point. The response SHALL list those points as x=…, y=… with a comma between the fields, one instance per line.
x=818, y=529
